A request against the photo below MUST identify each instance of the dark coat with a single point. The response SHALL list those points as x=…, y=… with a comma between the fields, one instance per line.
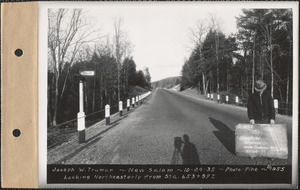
x=261, y=111
x=190, y=154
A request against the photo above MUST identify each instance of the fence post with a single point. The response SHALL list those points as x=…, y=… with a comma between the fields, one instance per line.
x=227, y=99
x=81, y=115
x=276, y=105
x=237, y=100
x=128, y=104
x=107, y=114
x=133, y=102
x=121, y=108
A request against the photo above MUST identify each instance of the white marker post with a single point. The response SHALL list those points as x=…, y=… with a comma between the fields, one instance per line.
x=276, y=105
x=208, y=96
x=237, y=100
x=107, y=114
x=132, y=102
x=81, y=115
x=128, y=104
x=121, y=108
x=227, y=98
x=212, y=97
x=137, y=100
x=218, y=97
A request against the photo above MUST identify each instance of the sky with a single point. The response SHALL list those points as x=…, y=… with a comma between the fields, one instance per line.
x=160, y=31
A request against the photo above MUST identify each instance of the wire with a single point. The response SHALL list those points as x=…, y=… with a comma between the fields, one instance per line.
x=72, y=120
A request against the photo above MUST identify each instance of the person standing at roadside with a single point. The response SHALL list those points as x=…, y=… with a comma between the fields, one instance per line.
x=260, y=105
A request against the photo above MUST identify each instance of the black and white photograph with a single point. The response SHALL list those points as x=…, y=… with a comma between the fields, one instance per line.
x=170, y=93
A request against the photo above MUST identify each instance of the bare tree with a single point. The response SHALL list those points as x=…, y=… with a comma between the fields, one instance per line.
x=128, y=49
x=118, y=51
x=66, y=34
x=216, y=28
x=123, y=48
x=104, y=48
x=253, y=60
x=197, y=35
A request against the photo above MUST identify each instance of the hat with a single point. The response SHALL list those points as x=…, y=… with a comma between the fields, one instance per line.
x=260, y=86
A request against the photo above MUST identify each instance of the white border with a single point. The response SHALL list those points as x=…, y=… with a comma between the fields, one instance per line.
x=295, y=125
x=43, y=49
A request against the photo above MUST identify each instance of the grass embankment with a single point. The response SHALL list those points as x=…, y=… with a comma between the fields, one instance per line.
x=231, y=97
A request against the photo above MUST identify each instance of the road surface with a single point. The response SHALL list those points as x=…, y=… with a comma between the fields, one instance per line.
x=146, y=135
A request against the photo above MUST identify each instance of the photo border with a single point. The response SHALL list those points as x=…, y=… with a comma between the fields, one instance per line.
x=42, y=19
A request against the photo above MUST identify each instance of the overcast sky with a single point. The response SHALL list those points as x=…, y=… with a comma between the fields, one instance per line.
x=160, y=31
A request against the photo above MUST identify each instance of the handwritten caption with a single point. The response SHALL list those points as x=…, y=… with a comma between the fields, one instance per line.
x=164, y=174
x=261, y=140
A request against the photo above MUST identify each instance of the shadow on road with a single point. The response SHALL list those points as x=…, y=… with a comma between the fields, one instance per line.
x=89, y=142
x=176, y=159
x=225, y=135
x=188, y=155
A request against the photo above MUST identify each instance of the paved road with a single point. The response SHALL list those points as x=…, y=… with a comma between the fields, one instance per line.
x=146, y=135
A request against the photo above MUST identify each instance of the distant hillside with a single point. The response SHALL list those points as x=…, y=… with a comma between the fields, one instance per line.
x=166, y=83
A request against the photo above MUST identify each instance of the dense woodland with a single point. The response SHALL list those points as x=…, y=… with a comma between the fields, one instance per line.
x=74, y=46
x=261, y=49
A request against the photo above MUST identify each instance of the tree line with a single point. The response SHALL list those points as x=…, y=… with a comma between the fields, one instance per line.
x=75, y=46
x=261, y=49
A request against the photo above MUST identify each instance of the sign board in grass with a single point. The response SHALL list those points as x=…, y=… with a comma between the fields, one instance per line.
x=261, y=140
